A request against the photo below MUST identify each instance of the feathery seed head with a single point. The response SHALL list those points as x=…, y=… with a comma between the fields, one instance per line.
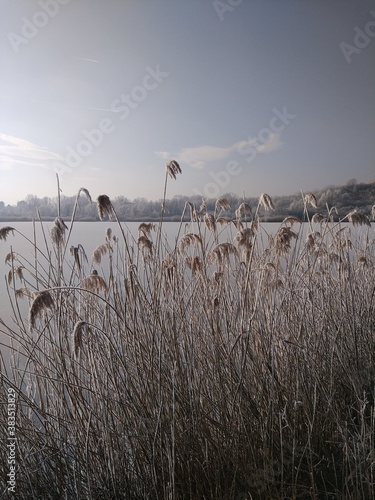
x=283, y=238
x=209, y=220
x=194, y=264
x=25, y=292
x=243, y=209
x=193, y=211
x=173, y=168
x=57, y=232
x=79, y=329
x=222, y=251
x=11, y=256
x=222, y=220
x=16, y=271
x=169, y=263
x=310, y=242
x=104, y=206
x=222, y=204
x=99, y=252
x=238, y=224
x=291, y=220
x=266, y=202
x=187, y=240
x=108, y=234
x=60, y=224
x=86, y=193
x=310, y=198
x=203, y=207
x=76, y=252
x=42, y=302
x=318, y=218
x=247, y=249
x=146, y=228
x=358, y=219
x=57, y=236
x=144, y=244
x=4, y=232
x=94, y=283
x=244, y=236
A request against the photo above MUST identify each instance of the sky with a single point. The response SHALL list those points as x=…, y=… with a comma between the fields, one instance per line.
x=248, y=96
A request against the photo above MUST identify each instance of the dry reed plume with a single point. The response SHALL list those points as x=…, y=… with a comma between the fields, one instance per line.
x=266, y=202
x=222, y=221
x=222, y=204
x=99, y=252
x=104, y=206
x=85, y=192
x=78, y=253
x=42, y=302
x=58, y=231
x=318, y=218
x=25, y=292
x=4, y=232
x=173, y=168
x=291, y=220
x=311, y=199
x=243, y=210
x=358, y=219
x=144, y=244
x=146, y=228
x=79, y=329
x=210, y=222
x=16, y=271
x=187, y=240
x=94, y=283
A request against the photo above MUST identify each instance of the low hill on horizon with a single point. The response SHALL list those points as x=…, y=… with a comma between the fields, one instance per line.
x=346, y=198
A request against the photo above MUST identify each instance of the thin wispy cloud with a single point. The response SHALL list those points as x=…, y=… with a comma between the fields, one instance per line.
x=274, y=143
x=164, y=155
x=76, y=106
x=17, y=151
x=63, y=104
x=108, y=110
x=199, y=157
x=87, y=59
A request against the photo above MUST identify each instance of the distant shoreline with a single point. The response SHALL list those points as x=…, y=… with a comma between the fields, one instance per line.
x=275, y=220
x=336, y=201
x=147, y=220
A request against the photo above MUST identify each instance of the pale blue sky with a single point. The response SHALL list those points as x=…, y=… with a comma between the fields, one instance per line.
x=190, y=80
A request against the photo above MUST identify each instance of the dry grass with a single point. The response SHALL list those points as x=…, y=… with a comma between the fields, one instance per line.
x=234, y=364
x=4, y=232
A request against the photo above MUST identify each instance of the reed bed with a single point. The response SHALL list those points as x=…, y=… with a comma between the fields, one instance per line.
x=229, y=364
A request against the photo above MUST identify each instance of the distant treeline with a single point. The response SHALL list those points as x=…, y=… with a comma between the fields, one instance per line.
x=345, y=198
